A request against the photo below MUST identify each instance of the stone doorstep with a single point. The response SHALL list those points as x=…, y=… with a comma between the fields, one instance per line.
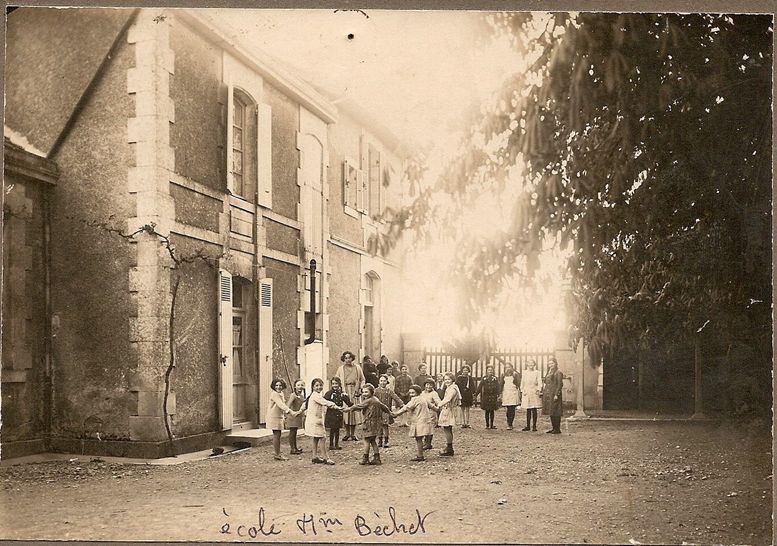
x=256, y=437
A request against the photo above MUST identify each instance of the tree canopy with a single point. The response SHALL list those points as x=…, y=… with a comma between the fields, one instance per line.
x=642, y=142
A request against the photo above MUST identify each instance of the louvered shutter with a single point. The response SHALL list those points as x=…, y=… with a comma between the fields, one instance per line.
x=265, y=344
x=264, y=153
x=225, y=349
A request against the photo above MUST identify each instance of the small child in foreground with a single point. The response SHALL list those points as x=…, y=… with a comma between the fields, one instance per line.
x=386, y=395
x=421, y=409
x=432, y=395
x=372, y=410
x=294, y=422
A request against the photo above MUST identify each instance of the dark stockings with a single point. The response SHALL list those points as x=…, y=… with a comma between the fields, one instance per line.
x=489, y=418
x=555, y=420
x=293, y=439
x=531, y=418
x=510, y=415
x=334, y=437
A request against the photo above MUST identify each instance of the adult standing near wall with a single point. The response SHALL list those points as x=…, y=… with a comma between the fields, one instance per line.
x=510, y=389
x=466, y=384
x=370, y=371
x=531, y=387
x=383, y=365
x=352, y=379
x=551, y=395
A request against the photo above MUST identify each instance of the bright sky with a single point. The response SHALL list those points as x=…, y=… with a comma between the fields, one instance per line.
x=418, y=72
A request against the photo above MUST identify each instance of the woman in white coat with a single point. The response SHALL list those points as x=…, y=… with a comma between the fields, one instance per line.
x=531, y=386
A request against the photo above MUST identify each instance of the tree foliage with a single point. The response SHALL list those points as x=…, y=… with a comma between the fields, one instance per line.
x=644, y=141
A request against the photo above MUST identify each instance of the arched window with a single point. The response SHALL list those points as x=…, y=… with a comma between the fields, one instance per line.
x=244, y=145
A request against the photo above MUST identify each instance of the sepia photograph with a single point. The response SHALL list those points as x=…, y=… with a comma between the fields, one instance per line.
x=387, y=275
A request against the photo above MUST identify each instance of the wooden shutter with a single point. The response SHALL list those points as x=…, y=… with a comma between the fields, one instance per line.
x=225, y=349
x=364, y=165
x=265, y=345
x=264, y=153
x=221, y=137
x=347, y=184
x=230, y=121
x=374, y=181
x=360, y=190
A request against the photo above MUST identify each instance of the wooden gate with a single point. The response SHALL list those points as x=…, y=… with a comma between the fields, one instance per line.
x=440, y=361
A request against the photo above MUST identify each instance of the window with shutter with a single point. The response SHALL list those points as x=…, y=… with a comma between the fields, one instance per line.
x=226, y=333
x=374, y=181
x=265, y=344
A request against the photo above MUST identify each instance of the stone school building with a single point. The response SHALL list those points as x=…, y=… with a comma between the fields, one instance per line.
x=165, y=192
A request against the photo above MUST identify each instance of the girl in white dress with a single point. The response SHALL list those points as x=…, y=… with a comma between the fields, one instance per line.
x=448, y=406
x=275, y=412
x=511, y=394
x=314, y=421
x=531, y=386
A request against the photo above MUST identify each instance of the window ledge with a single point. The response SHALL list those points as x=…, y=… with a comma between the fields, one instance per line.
x=351, y=212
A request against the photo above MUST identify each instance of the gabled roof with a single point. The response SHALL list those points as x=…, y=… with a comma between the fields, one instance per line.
x=263, y=64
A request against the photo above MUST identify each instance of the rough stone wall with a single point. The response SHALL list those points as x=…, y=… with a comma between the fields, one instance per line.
x=285, y=156
x=194, y=89
x=51, y=55
x=343, y=305
x=195, y=341
x=285, y=304
x=24, y=312
x=91, y=303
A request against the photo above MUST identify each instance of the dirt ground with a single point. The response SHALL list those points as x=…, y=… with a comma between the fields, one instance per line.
x=598, y=482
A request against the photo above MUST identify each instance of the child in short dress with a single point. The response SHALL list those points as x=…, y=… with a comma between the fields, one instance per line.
x=448, y=406
x=372, y=410
x=421, y=409
x=294, y=422
x=432, y=395
x=333, y=419
x=314, y=421
x=275, y=412
x=386, y=395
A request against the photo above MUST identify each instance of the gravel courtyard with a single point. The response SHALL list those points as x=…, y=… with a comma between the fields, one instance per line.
x=598, y=482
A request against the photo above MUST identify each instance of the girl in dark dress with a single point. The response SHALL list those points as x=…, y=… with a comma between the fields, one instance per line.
x=552, y=402
x=488, y=390
x=372, y=410
x=370, y=371
x=333, y=418
x=466, y=384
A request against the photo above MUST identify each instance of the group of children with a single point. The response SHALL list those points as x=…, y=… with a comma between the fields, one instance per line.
x=323, y=415
x=421, y=403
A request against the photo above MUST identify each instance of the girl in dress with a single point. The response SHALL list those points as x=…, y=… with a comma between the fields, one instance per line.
x=432, y=395
x=275, y=412
x=314, y=421
x=294, y=422
x=372, y=410
x=448, y=406
x=531, y=386
x=386, y=395
x=421, y=409
x=466, y=385
x=333, y=419
x=351, y=378
x=509, y=387
x=488, y=390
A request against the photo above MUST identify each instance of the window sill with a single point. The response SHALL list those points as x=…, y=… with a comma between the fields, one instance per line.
x=351, y=212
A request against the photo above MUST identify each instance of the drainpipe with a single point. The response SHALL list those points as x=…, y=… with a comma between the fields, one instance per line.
x=48, y=397
x=312, y=337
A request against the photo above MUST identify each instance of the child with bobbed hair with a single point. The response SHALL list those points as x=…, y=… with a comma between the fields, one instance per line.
x=275, y=412
x=372, y=411
x=430, y=393
x=448, y=406
x=421, y=409
x=333, y=419
x=295, y=422
x=386, y=395
x=314, y=421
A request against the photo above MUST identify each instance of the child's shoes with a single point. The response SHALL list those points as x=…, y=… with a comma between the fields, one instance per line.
x=365, y=459
x=376, y=460
x=417, y=459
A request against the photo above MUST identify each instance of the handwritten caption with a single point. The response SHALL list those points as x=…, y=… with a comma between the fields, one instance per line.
x=382, y=524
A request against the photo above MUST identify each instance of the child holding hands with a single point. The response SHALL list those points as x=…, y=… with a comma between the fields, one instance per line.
x=275, y=412
x=385, y=394
x=372, y=410
x=421, y=409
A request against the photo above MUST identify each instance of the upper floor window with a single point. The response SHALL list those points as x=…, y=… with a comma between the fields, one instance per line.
x=245, y=134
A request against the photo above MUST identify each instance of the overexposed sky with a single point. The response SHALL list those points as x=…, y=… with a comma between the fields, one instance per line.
x=419, y=73
x=415, y=71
